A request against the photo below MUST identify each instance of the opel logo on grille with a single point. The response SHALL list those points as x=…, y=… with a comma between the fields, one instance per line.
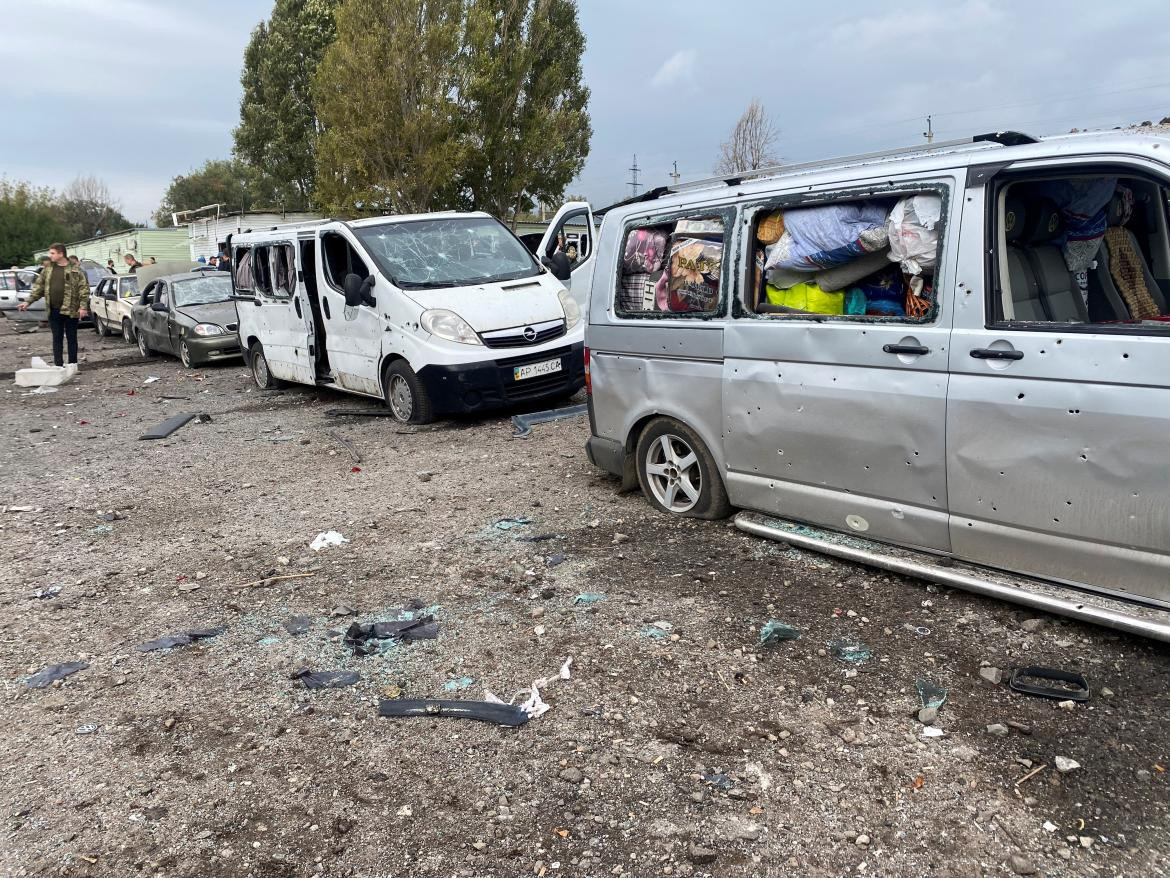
x=529, y=333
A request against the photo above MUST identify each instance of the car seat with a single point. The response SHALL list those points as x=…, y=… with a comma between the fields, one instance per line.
x=1106, y=302
x=1059, y=295
x=1023, y=294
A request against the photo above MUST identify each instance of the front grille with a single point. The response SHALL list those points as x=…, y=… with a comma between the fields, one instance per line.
x=514, y=337
x=509, y=362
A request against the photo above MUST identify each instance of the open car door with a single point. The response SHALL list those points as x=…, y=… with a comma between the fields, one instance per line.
x=574, y=224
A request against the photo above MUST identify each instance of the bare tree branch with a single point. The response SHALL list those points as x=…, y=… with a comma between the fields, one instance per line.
x=751, y=143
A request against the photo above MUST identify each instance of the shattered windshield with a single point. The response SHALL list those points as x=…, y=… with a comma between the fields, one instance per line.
x=430, y=254
x=203, y=290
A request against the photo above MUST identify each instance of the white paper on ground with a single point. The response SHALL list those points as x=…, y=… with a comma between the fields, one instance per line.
x=325, y=539
x=533, y=704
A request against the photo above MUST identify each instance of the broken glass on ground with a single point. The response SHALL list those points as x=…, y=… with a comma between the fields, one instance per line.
x=775, y=632
x=456, y=684
x=49, y=592
x=52, y=673
x=848, y=650
x=326, y=679
x=718, y=781
x=656, y=630
x=484, y=711
x=555, y=560
x=930, y=695
x=589, y=597
x=510, y=523
x=180, y=638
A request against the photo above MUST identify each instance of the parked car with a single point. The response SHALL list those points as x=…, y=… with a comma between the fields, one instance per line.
x=15, y=286
x=111, y=303
x=434, y=314
x=189, y=315
x=996, y=390
x=21, y=288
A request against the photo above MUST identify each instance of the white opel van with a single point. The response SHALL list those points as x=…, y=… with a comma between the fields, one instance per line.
x=949, y=361
x=434, y=313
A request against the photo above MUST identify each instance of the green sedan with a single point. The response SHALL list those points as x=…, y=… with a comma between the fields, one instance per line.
x=189, y=315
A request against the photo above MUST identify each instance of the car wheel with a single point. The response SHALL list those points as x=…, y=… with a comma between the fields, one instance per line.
x=127, y=332
x=185, y=354
x=677, y=473
x=143, y=347
x=406, y=397
x=99, y=327
x=261, y=374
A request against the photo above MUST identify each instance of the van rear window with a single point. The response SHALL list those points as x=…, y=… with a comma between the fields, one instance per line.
x=672, y=268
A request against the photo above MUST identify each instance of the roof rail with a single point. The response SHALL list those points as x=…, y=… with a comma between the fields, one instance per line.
x=1002, y=138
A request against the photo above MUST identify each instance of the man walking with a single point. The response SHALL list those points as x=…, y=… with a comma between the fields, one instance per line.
x=66, y=293
x=132, y=264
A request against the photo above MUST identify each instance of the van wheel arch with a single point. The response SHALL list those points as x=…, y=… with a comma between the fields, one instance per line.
x=712, y=502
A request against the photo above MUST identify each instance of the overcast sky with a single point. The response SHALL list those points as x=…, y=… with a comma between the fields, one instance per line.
x=135, y=92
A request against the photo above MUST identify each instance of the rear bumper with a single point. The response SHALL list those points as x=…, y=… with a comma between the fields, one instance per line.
x=606, y=454
x=490, y=384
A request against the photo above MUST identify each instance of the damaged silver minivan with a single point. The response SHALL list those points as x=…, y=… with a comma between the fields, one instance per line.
x=950, y=361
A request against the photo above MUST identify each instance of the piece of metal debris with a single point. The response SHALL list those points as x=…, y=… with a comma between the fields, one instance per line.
x=169, y=426
x=523, y=423
x=1067, y=686
x=326, y=679
x=364, y=637
x=484, y=711
x=52, y=673
x=181, y=638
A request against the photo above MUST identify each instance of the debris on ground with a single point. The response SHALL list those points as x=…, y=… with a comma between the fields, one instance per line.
x=718, y=781
x=991, y=675
x=1065, y=685
x=169, y=426
x=555, y=560
x=930, y=694
x=523, y=424
x=589, y=597
x=326, y=679
x=326, y=539
x=180, y=638
x=456, y=684
x=533, y=705
x=48, y=592
x=40, y=374
x=349, y=446
x=775, y=632
x=659, y=630
x=853, y=651
x=360, y=413
x=484, y=711
x=1064, y=765
x=510, y=523
x=52, y=673
x=365, y=638
x=298, y=625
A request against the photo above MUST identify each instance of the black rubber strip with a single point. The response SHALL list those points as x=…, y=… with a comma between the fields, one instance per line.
x=1063, y=693
x=484, y=711
x=169, y=426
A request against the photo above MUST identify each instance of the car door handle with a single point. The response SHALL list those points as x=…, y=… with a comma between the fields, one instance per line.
x=917, y=349
x=996, y=354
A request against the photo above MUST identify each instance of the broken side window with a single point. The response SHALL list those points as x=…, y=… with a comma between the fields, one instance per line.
x=340, y=259
x=243, y=269
x=673, y=267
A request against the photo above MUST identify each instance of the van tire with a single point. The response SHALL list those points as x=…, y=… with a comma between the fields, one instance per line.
x=662, y=447
x=405, y=395
x=258, y=366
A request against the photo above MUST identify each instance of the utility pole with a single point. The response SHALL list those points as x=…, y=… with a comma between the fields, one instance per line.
x=634, y=184
x=929, y=132
x=675, y=176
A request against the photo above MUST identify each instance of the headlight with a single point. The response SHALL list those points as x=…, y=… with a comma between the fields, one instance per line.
x=207, y=329
x=449, y=325
x=571, y=308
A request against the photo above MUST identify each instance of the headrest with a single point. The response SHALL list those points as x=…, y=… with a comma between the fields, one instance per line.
x=1014, y=217
x=1045, y=221
x=1120, y=207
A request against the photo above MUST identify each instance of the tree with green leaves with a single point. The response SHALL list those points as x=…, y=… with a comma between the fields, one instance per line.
x=28, y=221
x=385, y=94
x=228, y=182
x=278, y=123
x=438, y=104
x=523, y=104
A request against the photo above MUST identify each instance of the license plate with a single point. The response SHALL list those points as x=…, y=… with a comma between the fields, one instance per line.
x=519, y=373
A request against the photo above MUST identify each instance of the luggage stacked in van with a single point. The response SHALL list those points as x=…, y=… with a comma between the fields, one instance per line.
x=672, y=268
x=873, y=257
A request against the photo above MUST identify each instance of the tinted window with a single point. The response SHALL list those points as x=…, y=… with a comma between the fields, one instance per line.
x=447, y=252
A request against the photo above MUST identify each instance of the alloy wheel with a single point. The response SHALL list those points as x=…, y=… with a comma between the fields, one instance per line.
x=673, y=473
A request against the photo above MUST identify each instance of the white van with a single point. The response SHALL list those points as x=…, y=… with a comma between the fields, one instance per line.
x=433, y=313
x=950, y=361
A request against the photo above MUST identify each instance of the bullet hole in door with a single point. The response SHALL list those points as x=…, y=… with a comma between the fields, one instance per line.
x=1020, y=396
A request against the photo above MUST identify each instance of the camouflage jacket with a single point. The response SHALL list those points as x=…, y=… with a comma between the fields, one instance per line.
x=76, y=290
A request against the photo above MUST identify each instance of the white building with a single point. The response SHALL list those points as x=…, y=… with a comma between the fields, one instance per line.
x=207, y=234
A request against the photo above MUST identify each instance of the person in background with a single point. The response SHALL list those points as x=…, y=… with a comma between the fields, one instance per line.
x=110, y=266
x=213, y=261
x=66, y=293
x=75, y=262
x=225, y=260
x=153, y=261
x=133, y=263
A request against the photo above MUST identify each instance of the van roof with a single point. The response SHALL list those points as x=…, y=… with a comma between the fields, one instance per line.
x=999, y=147
x=251, y=236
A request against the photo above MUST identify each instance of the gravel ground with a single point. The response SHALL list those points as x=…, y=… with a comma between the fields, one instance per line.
x=682, y=749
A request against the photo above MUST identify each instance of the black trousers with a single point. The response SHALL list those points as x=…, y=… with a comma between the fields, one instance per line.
x=64, y=328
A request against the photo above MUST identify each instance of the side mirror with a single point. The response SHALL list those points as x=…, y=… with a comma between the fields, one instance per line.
x=353, y=290
x=158, y=306
x=367, y=296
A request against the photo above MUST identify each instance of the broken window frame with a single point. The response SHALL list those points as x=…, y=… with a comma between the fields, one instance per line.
x=727, y=278
x=754, y=211
x=327, y=266
x=995, y=262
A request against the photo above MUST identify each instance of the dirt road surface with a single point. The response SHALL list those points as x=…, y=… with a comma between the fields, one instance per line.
x=683, y=748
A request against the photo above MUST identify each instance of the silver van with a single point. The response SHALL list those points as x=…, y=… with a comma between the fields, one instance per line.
x=949, y=361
